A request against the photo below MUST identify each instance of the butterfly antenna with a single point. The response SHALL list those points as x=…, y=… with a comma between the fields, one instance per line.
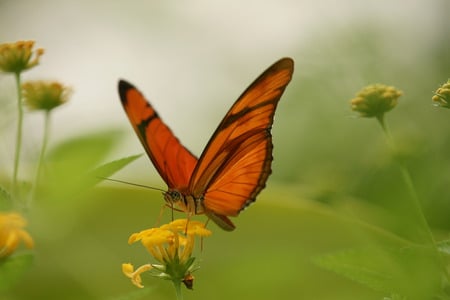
x=134, y=184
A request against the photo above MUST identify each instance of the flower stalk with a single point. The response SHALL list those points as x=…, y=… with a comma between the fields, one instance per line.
x=18, y=134
x=415, y=199
x=177, y=286
x=43, y=96
x=16, y=58
x=42, y=153
x=374, y=101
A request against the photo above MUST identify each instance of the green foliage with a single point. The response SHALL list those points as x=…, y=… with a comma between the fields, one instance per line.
x=361, y=266
x=444, y=247
x=5, y=199
x=12, y=269
x=70, y=165
x=389, y=270
x=320, y=153
x=108, y=169
x=82, y=152
x=395, y=297
x=134, y=295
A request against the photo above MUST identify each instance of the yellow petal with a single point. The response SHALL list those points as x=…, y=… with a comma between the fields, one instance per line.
x=158, y=237
x=10, y=245
x=26, y=238
x=135, y=276
x=136, y=279
x=128, y=270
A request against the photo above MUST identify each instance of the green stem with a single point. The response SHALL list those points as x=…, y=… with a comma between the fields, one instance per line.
x=42, y=154
x=19, y=133
x=414, y=197
x=177, y=285
x=386, y=131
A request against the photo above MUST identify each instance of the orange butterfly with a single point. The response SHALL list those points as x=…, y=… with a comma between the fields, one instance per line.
x=235, y=164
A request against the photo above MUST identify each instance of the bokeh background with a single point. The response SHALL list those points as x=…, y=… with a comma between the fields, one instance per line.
x=332, y=172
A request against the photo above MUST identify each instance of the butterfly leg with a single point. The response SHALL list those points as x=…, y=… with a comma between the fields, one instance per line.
x=161, y=211
x=201, y=239
x=189, y=216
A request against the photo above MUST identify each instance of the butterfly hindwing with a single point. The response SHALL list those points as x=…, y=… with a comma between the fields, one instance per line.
x=236, y=163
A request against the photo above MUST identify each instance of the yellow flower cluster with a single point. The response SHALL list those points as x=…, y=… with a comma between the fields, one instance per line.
x=44, y=95
x=17, y=57
x=442, y=95
x=12, y=232
x=172, y=245
x=374, y=100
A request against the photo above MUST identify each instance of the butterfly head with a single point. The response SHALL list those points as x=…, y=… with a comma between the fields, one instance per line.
x=173, y=197
x=183, y=201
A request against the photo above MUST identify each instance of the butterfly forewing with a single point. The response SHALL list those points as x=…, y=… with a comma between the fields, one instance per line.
x=235, y=164
x=173, y=161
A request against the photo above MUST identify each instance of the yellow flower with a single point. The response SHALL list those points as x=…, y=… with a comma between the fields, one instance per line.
x=135, y=276
x=172, y=246
x=442, y=95
x=17, y=57
x=44, y=95
x=12, y=232
x=374, y=100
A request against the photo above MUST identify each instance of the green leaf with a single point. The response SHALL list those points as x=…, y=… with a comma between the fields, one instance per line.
x=108, y=169
x=358, y=266
x=395, y=297
x=5, y=199
x=13, y=268
x=69, y=164
x=444, y=246
x=135, y=294
x=83, y=152
x=410, y=272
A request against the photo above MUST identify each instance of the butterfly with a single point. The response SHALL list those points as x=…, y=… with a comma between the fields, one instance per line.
x=236, y=162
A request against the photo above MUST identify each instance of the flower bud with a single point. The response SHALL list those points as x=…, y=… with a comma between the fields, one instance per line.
x=374, y=100
x=442, y=95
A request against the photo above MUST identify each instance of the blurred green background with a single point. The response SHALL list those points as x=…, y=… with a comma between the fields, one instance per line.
x=333, y=179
